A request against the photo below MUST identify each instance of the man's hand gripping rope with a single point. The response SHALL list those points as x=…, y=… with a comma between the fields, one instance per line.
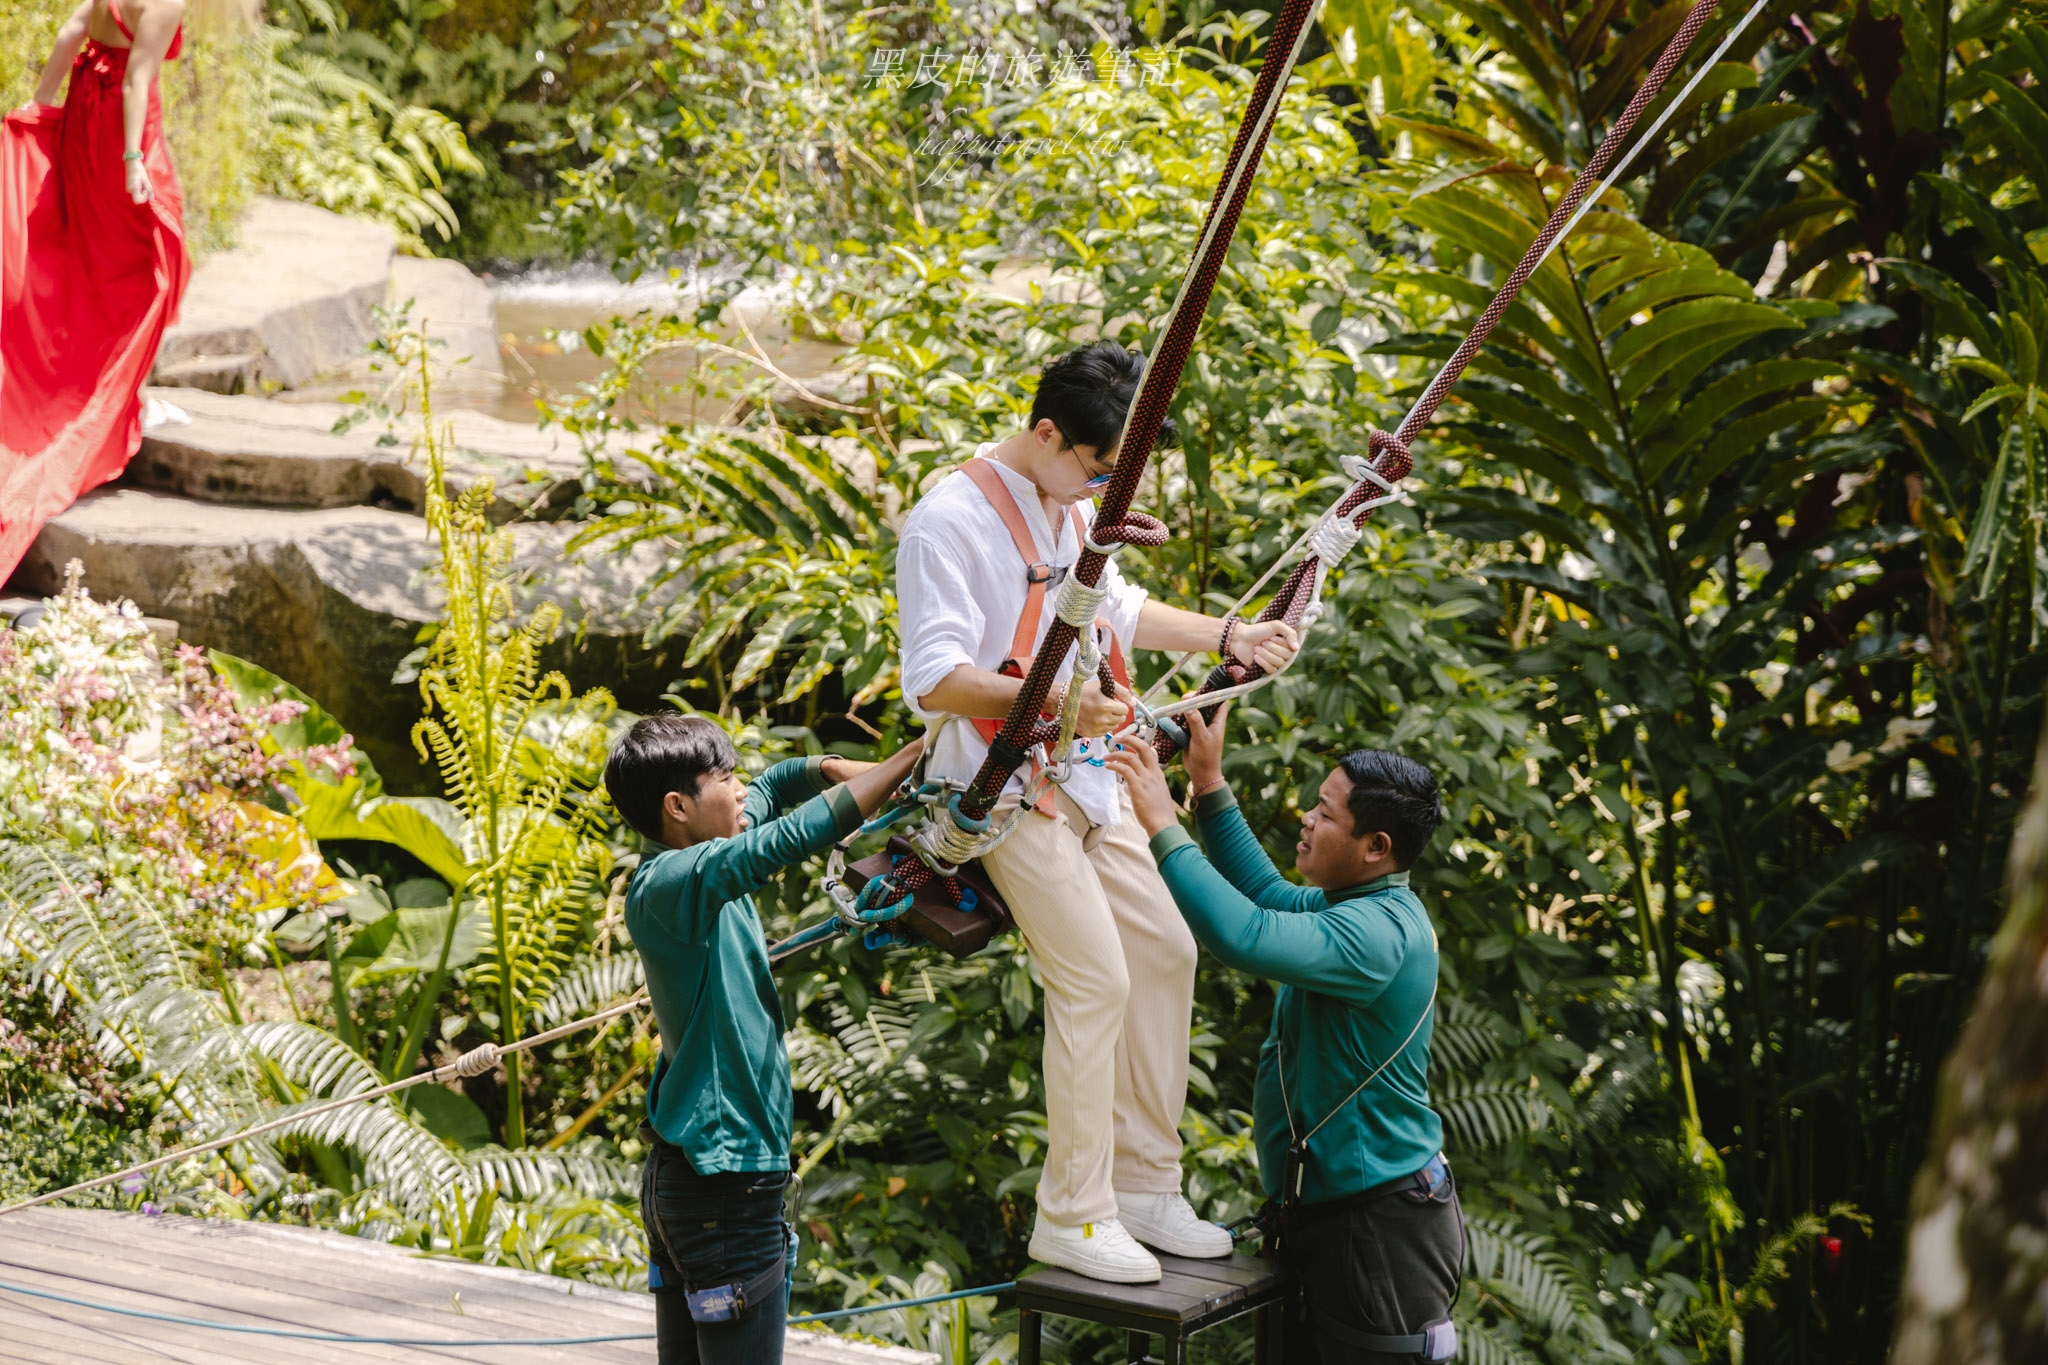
x=1328, y=540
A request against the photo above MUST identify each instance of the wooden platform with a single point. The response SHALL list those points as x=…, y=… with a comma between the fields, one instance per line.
x=1189, y=1296
x=269, y=1275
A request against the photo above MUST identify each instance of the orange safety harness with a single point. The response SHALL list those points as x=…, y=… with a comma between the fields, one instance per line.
x=1038, y=574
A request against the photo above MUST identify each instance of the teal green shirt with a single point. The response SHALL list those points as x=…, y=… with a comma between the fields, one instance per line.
x=721, y=1090
x=1355, y=971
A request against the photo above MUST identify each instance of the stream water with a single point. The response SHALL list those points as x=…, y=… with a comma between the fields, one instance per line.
x=534, y=308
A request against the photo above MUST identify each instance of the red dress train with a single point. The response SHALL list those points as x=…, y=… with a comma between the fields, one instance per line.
x=89, y=279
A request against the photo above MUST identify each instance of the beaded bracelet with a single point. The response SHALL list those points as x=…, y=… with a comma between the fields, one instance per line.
x=131, y=156
x=1229, y=629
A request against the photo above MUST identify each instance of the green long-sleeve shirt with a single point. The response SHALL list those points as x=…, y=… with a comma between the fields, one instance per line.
x=721, y=1091
x=1355, y=971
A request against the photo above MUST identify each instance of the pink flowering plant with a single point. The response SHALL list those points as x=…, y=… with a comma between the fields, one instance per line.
x=152, y=771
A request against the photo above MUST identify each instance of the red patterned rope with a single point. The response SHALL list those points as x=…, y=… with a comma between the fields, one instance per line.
x=1610, y=148
x=1388, y=454
x=1115, y=522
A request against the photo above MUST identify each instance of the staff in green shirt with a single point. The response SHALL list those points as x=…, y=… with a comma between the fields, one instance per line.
x=1349, y=1149
x=720, y=1110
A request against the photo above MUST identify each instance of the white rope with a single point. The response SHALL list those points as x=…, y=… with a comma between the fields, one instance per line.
x=1332, y=539
x=1621, y=164
x=1078, y=604
x=475, y=1062
x=1359, y=472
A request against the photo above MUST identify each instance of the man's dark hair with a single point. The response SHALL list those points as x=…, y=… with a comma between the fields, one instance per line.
x=1395, y=795
x=659, y=755
x=1087, y=393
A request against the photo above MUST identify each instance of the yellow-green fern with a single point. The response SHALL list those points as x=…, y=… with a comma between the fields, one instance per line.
x=532, y=818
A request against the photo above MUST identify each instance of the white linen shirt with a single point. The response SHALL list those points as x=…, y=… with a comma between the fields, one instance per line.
x=960, y=588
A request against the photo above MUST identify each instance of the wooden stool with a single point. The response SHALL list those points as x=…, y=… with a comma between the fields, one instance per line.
x=1189, y=1296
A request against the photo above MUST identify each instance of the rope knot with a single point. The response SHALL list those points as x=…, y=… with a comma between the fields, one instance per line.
x=1078, y=604
x=1387, y=462
x=478, y=1061
x=1135, y=528
x=1389, y=455
x=1332, y=539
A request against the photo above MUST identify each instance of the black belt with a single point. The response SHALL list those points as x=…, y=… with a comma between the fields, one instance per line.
x=1428, y=1180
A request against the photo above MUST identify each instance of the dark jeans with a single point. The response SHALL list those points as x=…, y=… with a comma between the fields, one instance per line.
x=1388, y=1266
x=709, y=1230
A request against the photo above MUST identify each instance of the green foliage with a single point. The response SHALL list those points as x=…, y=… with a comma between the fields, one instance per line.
x=257, y=110
x=340, y=142
x=145, y=851
x=504, y=73
x=1720, y=477
x=531, y=817
x=1727, y=783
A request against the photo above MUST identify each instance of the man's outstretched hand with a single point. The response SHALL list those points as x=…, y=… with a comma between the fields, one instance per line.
x=1138, y=766
x=1204, y=757
x=871, y=784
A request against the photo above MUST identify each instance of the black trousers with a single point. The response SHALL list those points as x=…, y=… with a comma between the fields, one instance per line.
x=1387, y=1265
x=709, y=1230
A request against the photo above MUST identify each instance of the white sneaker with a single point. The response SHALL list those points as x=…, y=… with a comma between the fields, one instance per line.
x=1167, y=1222
x=1101, y=1251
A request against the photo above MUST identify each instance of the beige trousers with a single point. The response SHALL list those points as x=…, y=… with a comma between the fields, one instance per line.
x=1118, y=965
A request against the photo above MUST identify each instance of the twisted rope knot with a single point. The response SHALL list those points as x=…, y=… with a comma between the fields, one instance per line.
x=1389, y=455
x=478, y=1061
x=1387, y=462
x=1134, y=528
x=1333, y=539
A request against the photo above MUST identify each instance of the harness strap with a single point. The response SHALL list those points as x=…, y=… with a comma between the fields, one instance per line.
x=981, y=471
x=1037, y=574
x=756, y=1290
x=1438, y=1341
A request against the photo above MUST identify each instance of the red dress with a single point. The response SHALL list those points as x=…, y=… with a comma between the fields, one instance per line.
x=89, y=279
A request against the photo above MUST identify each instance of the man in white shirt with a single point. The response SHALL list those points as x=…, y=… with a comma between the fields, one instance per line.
x=1116, y=959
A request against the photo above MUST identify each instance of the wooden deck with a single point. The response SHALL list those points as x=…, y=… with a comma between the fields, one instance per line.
x=264, y=1274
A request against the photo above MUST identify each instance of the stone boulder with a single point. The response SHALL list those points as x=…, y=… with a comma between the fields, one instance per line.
x=334, y=598
x=292, y=301
x=264, y=453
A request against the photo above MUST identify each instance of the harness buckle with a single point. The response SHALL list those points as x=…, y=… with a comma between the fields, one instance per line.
x=1038, y=573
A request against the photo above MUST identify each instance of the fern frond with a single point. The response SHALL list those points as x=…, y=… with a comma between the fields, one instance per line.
x=532, y=1171
x=591, y=985
x=1481, y=1344
x=1467, y=1035
x=1481, y=1114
